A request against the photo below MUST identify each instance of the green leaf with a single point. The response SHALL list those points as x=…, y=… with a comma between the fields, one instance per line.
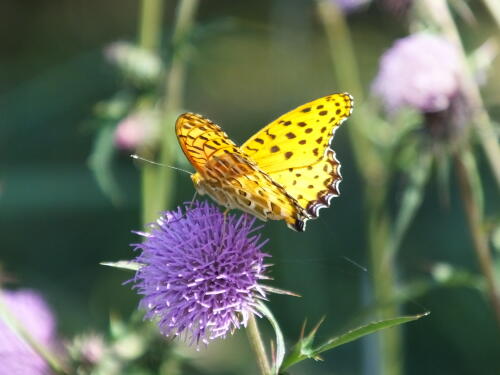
x=124, y=264
x=303, y=349
x=100, y=162
x=280, y=342
x=443, y=177
x=470, y=166
x=412, y=198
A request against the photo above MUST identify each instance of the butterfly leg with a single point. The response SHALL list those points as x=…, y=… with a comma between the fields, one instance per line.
x=226, y=212
x=192, y=200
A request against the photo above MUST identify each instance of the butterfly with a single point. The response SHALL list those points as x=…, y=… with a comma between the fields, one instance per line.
x=286, y=171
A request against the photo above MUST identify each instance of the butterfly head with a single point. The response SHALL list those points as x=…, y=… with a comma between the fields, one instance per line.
x=197, y=182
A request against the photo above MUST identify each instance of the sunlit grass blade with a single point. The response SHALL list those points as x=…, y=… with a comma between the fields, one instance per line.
x=124, y=265
x=280, y=342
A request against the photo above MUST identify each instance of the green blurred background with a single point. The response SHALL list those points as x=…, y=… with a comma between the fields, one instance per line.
x=264, y=58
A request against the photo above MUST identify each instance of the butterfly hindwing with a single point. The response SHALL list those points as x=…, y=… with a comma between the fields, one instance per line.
x=313, y=186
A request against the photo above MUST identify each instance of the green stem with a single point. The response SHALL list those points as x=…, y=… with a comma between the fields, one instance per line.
x=174, y=93
x=150, y=31
x=345, y=67
x=150, y=24
x=149, y=176
x=384, y=284
x=439, y=12
x=410, y=203
x=157, y=183
x=257, y=345
x=494, y=8
x=375, y=175
x=479, y=237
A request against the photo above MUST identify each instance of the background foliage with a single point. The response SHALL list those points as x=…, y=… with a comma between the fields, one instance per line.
x=251, y=62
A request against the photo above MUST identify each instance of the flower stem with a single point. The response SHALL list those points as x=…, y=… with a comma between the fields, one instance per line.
x=494, y=8
x=375, y=176
x=257, y=345
x=150, y=24
x=439, y=12
x=479, y=237
x=174, y=91
x=157, y=183
x=149, y=38
x=345, y=68
x=384, y=285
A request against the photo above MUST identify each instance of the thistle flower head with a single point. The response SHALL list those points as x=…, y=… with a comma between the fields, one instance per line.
x=421, y=71
x=201, y=271
x=32, y=313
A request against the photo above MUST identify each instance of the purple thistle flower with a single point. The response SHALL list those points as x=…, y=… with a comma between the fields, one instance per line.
x=201, y=271
x=421, y=71
x=30, y=310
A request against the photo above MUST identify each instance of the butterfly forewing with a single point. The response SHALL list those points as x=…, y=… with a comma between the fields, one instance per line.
x=201, y=139
x=300, y=137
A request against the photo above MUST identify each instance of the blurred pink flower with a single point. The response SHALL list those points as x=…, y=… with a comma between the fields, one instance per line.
x=136, y=130
x=421, y=71
x=31, y=311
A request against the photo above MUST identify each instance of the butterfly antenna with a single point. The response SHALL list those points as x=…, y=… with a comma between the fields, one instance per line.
x=137, y=157
x=346, y=258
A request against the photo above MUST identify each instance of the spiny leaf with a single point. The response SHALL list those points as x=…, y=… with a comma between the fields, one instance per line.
x=303, y=349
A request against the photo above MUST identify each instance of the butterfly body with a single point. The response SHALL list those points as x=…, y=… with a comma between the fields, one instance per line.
x=255, y=195
x=286, y=171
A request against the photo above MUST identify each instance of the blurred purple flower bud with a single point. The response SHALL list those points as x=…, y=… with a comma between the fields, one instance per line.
x=137, y=130
x=421, y=71
x=34, y=315
x=349, y=6
x=201, y=272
